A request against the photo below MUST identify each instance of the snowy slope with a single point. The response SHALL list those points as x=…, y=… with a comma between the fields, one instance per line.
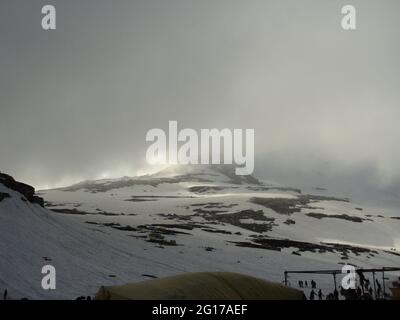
x=182, y=219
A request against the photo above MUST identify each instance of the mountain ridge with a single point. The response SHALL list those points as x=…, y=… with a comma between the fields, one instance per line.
x=170, y=223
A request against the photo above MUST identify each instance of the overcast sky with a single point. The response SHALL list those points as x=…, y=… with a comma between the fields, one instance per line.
x=76, y=103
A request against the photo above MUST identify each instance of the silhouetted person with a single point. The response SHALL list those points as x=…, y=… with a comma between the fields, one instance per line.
x=306, y=284
x=379, y=290
x=313, y=284
x=320, y=295
x=362, y=279
x=366, y=284
x=300, y=284
x=336, y=294
x=312, y=294
x=5, y=294
x=359, y=293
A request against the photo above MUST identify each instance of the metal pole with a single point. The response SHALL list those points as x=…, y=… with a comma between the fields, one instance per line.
x=334, y=280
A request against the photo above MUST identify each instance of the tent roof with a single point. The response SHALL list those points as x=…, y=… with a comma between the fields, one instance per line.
x=201, y=286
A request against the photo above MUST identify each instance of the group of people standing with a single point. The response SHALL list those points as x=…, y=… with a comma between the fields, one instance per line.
x=364, y=291
x=313, y=293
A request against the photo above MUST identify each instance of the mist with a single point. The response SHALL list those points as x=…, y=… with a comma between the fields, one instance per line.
x=76, y=102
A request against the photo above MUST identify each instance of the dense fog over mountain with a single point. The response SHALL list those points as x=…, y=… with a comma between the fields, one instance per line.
x=76, y=103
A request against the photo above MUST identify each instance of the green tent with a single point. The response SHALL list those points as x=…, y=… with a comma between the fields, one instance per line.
x=201, y=286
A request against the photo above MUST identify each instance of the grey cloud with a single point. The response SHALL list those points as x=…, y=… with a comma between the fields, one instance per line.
x=76, y=103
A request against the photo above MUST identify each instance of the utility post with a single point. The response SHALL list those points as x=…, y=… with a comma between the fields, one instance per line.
x=334, y=280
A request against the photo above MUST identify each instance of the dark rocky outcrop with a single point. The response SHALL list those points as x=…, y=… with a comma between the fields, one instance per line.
x=261, y=242
x=38, y=200
x=318, y=215
x=3, y=196
x=261, y=222
x=289, y=206
x=26, y=190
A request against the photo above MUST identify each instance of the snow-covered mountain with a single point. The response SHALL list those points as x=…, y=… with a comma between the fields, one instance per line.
x=183, y=219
